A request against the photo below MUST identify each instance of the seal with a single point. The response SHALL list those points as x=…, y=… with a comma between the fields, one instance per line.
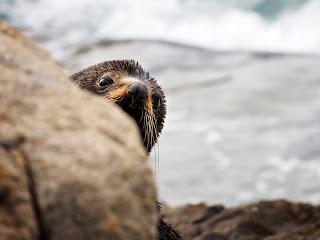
x=124, y=82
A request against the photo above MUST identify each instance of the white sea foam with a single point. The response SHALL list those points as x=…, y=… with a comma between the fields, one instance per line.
x=228, y=25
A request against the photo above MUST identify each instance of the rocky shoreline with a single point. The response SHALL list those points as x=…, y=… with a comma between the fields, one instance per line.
x=265, y=220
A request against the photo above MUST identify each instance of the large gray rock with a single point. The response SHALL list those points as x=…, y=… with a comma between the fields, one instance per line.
x=71, y=166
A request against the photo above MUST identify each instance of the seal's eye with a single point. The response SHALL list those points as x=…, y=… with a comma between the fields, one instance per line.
x=156, y=101
x=105, y=82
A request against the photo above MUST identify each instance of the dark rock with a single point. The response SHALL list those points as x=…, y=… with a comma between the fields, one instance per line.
x=265, y=220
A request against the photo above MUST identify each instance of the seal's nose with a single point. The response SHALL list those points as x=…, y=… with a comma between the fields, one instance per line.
x=138, y=92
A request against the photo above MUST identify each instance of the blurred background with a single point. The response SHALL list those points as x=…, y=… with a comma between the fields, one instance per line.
x=242, y=80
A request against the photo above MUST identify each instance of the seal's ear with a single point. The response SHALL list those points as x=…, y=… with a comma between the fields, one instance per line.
x=75, y=77
x=81, y=82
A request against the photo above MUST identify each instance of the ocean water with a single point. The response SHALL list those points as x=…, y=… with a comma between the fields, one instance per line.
x=258, y=25
x=253, y=121
x=240, y=127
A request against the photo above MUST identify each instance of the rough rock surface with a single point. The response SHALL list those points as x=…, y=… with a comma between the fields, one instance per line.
x=71, y=167
x=266, y=220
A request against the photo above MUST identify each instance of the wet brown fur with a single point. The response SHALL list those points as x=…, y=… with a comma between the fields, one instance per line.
x=124, y=73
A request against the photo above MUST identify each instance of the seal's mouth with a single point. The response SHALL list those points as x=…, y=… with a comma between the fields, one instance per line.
x=144, y=118
x=134, y=98
x=137, y=105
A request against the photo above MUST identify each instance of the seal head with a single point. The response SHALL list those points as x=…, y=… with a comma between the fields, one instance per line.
x=125, y=83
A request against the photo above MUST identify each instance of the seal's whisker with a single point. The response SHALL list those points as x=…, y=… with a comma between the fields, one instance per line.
x=146, y=130
x=158, y=155
x=150, y=130
x=154, y=127
x=155, y=167
x=111, y=99
x=141, y=118
x=151, y=121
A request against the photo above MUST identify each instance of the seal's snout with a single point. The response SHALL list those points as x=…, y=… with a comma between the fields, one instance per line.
x=138, y=92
